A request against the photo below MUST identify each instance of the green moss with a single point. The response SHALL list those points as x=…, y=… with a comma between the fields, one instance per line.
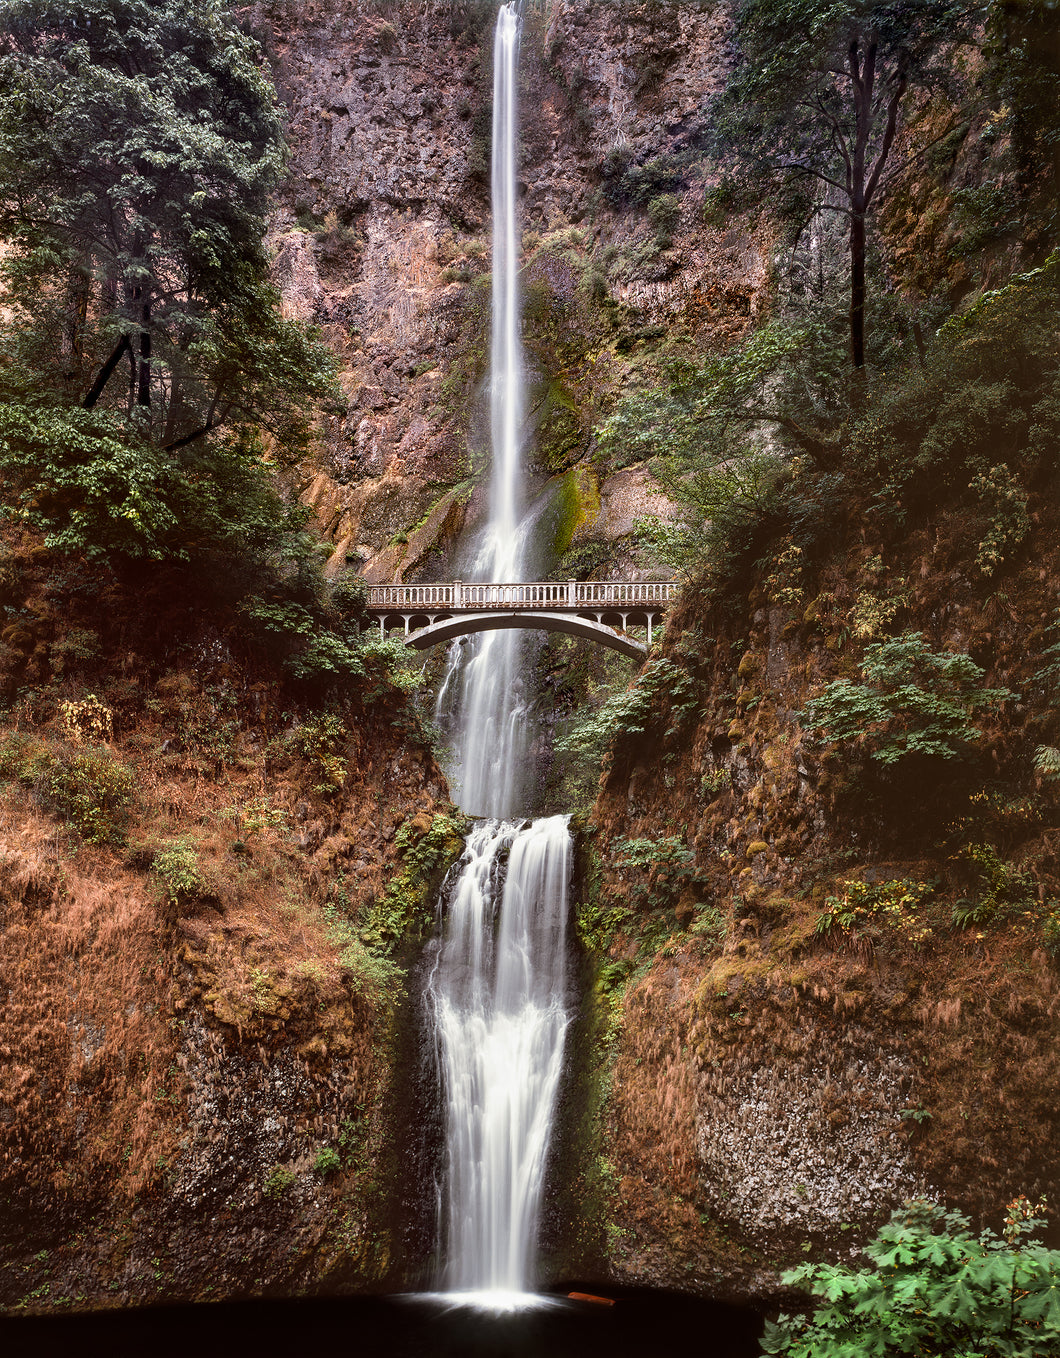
x=428, y=846
x=559, y=432
x=575, y=502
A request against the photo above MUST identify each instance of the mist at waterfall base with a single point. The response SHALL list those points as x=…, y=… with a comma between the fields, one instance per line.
x=641, y=1324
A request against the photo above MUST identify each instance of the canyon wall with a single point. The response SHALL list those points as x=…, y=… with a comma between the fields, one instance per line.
x=384, y=241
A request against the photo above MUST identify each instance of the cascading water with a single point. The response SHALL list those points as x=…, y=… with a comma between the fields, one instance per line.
x=497, y=991
x=484, y=679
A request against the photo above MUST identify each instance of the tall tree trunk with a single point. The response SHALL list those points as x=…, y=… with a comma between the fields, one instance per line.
x=143, y=393
x=96, y=390
x=857, y=288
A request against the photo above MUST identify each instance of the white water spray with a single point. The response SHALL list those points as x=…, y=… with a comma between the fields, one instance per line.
x=497, y=991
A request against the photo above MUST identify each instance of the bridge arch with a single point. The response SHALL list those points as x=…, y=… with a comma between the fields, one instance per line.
x=447, y=629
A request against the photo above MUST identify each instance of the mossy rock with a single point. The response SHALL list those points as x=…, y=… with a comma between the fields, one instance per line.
x=574, y=506
x=559, y=435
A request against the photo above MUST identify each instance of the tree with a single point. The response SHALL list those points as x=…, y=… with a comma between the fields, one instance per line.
x=1023, y=51
x=932, y=1289
x=139, y=142
x=817, y=99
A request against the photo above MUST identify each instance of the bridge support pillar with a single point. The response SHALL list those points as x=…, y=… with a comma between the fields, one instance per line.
x=408, y=619
x=650, y=618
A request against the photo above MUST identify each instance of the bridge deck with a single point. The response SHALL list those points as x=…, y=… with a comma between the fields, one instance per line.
x=553, y=595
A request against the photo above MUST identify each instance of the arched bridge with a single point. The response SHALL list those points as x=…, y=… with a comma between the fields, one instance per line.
x=600, y=610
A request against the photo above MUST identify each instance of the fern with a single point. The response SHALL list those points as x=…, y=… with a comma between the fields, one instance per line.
x=1047, y=762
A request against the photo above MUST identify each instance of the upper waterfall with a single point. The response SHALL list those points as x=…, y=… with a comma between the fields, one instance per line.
x=482, y=698
x=506, y=356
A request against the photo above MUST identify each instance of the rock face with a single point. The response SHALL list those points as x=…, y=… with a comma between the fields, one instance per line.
x=383, y=240
x=205, y=1029
x=802, y=1032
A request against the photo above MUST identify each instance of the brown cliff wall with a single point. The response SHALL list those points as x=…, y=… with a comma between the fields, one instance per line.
x=204, y=1034
x=384, y=241
x=776, y=1085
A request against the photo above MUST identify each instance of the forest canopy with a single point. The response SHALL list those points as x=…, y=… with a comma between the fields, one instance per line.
x=139, y=144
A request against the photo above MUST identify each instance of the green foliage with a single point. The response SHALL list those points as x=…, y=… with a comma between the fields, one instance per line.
x=406, y=907
x=1047, y=762
x=367, y=971
x=814, y=103
x=916, y=702
x=91, y=789
x=327, y=1162
x=866, y=908
x=662, y=868
x=278, y=1182
x=319, y=642
x=1005, y=500
x=667, y=851
x=139, y=143
x=1005, y=889
x=662, y=686
x=664, y=213
x=86, y=786
x=1023, y=74
x=1045, y=682
x=983, y=411
x=1051, y=934
x=177, y=865
x=626, y=184
x=744, y=442
x=320, y=739
x=688, y=416
x=931, y=1288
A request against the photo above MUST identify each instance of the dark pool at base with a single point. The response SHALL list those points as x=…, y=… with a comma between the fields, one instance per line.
x=642, y=1323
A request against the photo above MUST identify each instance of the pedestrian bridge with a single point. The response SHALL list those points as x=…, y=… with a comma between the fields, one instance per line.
x=599, y=610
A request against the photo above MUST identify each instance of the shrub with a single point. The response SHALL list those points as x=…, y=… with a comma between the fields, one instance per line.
x=669, y=863
x=88, y=788
x=369, y=973
x=864, y=906
x=327, y=1162
x=407, y=905
x=278, y=1181
x=664, y=213
x=1047, y=762
x=931, y=1288
x=319, y=741
x=86, y=719
x=1005, y=499
x=177, y=865
x=916, y=702
x=632, y=712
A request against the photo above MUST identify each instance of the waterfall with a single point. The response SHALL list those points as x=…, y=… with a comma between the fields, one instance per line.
x=487, y=687
x=500, y=1013
x=497, y=992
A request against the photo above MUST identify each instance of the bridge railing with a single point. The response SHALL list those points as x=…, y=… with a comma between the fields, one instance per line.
x=550, y=594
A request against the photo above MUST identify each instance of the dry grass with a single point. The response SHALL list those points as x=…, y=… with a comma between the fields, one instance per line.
x=87, y=1048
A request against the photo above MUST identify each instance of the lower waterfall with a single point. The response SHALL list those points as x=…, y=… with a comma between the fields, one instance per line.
x=497, y=994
